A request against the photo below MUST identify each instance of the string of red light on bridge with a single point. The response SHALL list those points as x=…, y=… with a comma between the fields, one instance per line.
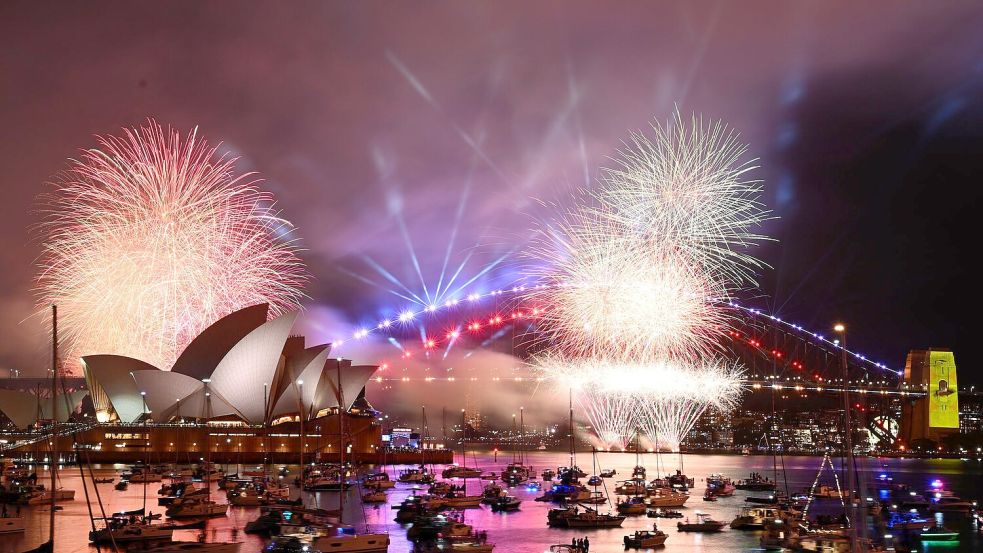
x=431, y=340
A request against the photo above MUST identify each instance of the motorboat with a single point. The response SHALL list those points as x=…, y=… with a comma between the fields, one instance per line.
x=506, y=503
x=122, y=530
x=941, y=534
x=951, y=504
x=827, y=492
x=378, y=480
x=772, y=499
x=666, y=497
x=678, y=481
x=472, y=546
x=635, y=486
x=40, y=496
x=643, y=539
x=345, y=540
x=638, y=472
x=755, y=518
x=720, y=486
x=557, y=518
x=456, y=471
x=141, y=476
x=590, y=518
x=460, y=500
x=910, y=521
x=249, y=498
x=608, y=473
x=121, y=485
x=570, y=473
x=663, y=513
x=571, y=493
x=195, y=547
x=103, y=480
x=515, y=474
x=594, y=481
x=491, y=493
x=10, y=525
x=596, y=498
x=195, y=507
x=440, y=488
x=566, y=548
x=415, y=476
x=709, y=496
x=548, y=474
x=632, y=506
x=288, y=544
x=703, y=524
x=377, y=496
x=430, y=526
x=755, y=482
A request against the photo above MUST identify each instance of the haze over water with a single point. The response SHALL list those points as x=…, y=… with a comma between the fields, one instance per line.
x=525, y=531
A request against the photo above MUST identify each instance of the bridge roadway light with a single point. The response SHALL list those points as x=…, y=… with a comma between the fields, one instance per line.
x=839, y=327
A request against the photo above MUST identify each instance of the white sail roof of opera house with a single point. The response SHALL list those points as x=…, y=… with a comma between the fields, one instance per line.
x=251, y=363
x=239, y=366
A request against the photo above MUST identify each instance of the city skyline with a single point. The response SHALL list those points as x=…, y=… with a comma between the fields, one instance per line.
x=844, y=160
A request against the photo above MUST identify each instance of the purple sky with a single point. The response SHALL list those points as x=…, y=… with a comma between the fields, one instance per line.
x=361, y=114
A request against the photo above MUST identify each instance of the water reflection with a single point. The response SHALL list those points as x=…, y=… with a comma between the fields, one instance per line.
x=525, y=531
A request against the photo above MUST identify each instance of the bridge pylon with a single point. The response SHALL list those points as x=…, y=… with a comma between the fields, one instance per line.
x=936, y=414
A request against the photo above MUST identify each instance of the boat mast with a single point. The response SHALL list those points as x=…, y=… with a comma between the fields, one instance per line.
x=522, y=432
x=208, y=443
x=341, y=437
x=851, y=476
x=572, y=458
x=423, y=438
x=300, y=400
x=54, y=422
x=464, y=449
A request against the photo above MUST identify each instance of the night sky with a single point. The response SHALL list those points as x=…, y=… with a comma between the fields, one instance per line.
x=367, y=118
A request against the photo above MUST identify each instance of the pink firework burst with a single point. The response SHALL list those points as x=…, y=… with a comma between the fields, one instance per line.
x=150, y=238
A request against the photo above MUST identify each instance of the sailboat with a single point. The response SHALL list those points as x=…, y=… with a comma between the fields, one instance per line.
x=344, y=539
x=196, y=506
x=420, y=475
x=634, y=505
x=517, y=472
x=461, y=499
x=49, y=546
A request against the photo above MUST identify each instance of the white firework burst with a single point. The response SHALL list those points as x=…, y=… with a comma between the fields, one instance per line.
x=686, y=185
x=150, y=238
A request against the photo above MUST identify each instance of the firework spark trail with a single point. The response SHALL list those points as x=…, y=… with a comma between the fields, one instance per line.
x=612, y=415
x=150, y=238
x=638, y=277
x=687, y=186
x=609, y=293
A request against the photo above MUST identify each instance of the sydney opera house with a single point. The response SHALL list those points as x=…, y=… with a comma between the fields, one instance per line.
x=244, y=389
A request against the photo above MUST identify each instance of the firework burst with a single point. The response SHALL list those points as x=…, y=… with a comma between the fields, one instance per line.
x=635, y=282
x=612, y=294
x=687, y=186
x=150, y=238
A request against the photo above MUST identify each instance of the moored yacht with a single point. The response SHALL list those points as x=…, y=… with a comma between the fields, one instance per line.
x=643, y=539
x=755, y=518
x=196, y=506
x=666, y=497
x=703, y=524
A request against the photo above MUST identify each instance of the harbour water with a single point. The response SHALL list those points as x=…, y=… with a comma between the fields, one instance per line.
x=525, y=531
